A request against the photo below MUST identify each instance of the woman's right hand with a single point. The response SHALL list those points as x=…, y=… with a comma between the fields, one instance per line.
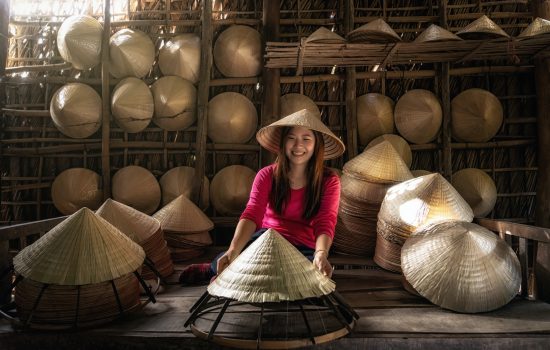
x=226, y=259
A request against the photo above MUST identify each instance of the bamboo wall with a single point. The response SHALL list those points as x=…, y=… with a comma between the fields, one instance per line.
x=33, y=152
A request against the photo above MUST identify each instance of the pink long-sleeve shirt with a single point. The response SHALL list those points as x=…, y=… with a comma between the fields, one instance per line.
x=290, y=223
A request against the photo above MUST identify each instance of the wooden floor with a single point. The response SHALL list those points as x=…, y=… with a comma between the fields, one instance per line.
x=391, y=318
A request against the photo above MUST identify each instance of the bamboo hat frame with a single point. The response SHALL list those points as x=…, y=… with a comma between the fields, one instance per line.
x=131, y=53
x=76, y=110
x=477, y=188
x=238, y=52
x=377, y=31
x=374, y=116
x=418, y=116
x=125, y=183
x=179, y=180
x=79, y=41
x=181, y=56
x=476, y=116
x=400, y=144
x=293, y=102
x=471, y=269
x=483, y=27
x=269, y=136
x=132, y=105
x=175, y=103
x=76, y=188
x=230, y=189
x=232, y=118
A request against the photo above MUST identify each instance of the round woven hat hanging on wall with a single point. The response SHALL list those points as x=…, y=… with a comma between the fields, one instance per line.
x=76, y=110
x=470, y=268
x=230, y=189
x=477, y=188
x=418, y=116
x=238, y=52
x=136, y=187
x=537, y=27
x=76, y=188
x=291, y=103
x=181, y=56
x=482, y=28
x=374, y=117
x=79, y=41
x=232, y=118
x=179, y=180
x=131, y=53
x=400, y=144
x=175, y=103
x=132, y=105
x=476, y=116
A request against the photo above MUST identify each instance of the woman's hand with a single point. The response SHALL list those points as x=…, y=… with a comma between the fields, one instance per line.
x=320, y=260
x=226, y=259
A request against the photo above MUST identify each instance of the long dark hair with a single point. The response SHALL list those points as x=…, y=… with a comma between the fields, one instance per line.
x=280, y=186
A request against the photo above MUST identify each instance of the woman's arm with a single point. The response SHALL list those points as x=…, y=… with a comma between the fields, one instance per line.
x=320, y=257
x=243, y=232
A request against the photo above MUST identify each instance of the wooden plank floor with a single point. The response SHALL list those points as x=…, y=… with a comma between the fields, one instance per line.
x=391, y=318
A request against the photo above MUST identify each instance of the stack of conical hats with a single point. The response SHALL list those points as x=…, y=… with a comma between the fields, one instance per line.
x=271, y=270
x=185, y=228
x=364, y=183
x=142, y=229
x=421, y=201
x=78, y=274
x=400, y=144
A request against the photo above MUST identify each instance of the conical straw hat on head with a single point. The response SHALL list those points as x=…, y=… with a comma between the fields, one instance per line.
x=436, y=33
x=325, y=36
x=477, y=188
x=482, y=28
x=269, y=136
x=131, y=53
x=238, y=52
x=537, y=27
x=132, y=105
x=76, y=188
x=400, y=144
x=182, y=215
x=79, y=41
x=422, y=201
x=476, y=116
x=232, y=118
x=374, y=116
x=293, y=102
x=271, y=270
x=175, y=103
x=181, y=56
x=127, y=180
x=380, y=163
x=82, y=249
x=133, y=223
x=377, y=31
x=418, y=116
x=179, y=180
x=461, y=266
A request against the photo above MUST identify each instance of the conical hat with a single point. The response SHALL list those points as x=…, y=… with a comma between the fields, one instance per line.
x=418, y=116
x=420, y=172
x=476, y=116
x=436, y=33
x=537, y=27
x=76, y=188
x=374, y=116
x=269, y=136
x=376, y=31
x=181, y=56
x=179, y=180
x=400, y=144
x=271, y=270
x=364, y=191
x=82, y=249
x=133, y=223
x=483, y=27
x=477, y=188
x=76, y=110
x=230, y=189
x=182, y=215
x=238, y=52
x=422, y=201
x=131, y=53
x=137, y=187
x=291, y=103
x=325, y=36
x=232, y=118
x=461, y=266
x=380, y=164
x=132, y=105
x=175, y=103
x=79, y=41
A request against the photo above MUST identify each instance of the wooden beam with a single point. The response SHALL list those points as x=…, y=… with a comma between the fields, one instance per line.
x=445, y=95
x=351, y=91
x=106, y=106
x=202, y=100
x=270, y=76
x=542, y=211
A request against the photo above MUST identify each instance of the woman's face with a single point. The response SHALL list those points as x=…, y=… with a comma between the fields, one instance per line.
x=299, y=145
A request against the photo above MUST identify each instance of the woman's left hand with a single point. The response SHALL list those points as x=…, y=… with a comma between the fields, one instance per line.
x=320, y=260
